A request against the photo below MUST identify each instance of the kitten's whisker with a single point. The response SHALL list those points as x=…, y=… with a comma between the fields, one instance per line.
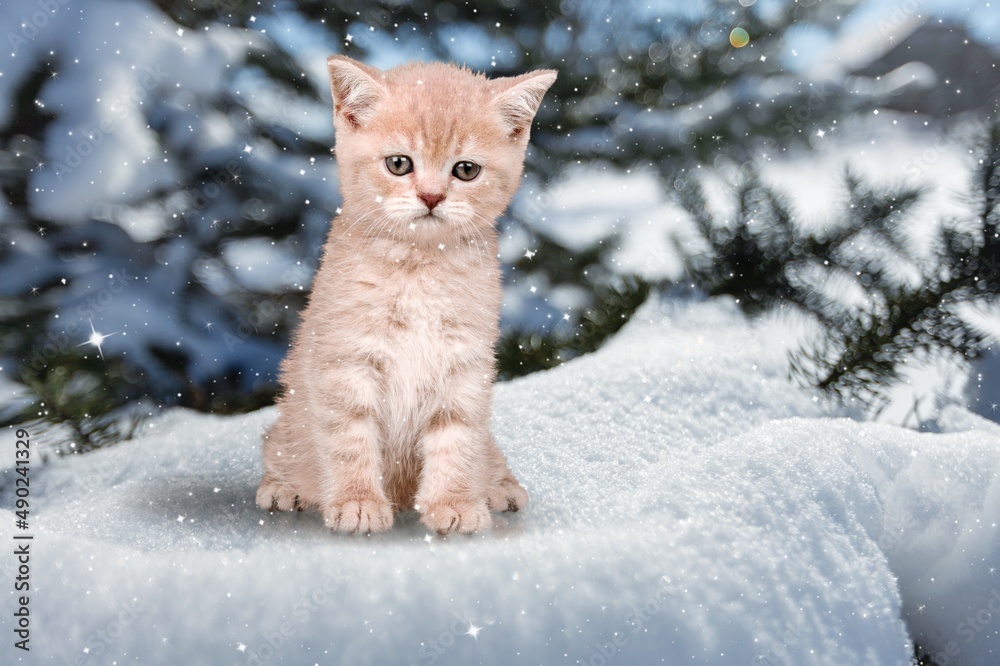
x=481, y=230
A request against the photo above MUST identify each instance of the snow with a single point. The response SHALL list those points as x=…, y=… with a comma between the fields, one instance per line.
x=688, y=505
x=590, y=204
x=109, y=132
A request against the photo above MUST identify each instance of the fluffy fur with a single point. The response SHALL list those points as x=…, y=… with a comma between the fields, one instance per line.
x=388, y=384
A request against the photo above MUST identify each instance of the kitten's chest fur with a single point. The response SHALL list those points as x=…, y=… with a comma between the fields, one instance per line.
x=415, y=315
x=431, y=296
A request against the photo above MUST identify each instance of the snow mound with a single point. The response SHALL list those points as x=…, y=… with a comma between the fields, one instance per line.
x=688, y=505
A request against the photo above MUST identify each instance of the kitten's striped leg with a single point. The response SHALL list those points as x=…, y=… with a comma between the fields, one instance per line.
x=451, y=497
x=354, y=499
x=274, y=492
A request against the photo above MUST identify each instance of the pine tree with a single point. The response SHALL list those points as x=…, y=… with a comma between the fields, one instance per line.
x=879, y=302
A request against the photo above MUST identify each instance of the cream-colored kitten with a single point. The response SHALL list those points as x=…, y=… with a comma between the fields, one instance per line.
x=389, y=381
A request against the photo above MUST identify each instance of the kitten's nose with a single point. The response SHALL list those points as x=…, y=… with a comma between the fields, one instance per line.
x=431, y=200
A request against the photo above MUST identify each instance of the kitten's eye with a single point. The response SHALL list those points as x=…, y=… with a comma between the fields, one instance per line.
x=399, y=165
x=466, y=170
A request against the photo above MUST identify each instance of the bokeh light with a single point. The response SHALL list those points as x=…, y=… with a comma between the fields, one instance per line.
x=739, y=38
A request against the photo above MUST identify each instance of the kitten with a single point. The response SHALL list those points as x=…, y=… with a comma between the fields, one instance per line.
x=389, y=381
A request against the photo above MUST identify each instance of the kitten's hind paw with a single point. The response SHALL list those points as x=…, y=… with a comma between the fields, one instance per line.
x=363, y=515
x=462, y=517
x=508, y=495
x=271, y=496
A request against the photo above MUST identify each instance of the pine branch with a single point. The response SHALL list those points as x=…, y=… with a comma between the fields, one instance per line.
x=765, y=259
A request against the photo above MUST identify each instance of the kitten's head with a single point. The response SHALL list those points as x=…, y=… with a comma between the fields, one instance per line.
x=428, y=150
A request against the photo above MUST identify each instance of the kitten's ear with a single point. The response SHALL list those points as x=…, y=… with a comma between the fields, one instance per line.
x=520, y=97
x=357, y=88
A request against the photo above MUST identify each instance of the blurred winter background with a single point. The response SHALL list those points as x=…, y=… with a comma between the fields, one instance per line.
x=167, y=183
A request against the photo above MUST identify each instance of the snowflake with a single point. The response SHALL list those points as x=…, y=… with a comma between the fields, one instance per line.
x=96, y=339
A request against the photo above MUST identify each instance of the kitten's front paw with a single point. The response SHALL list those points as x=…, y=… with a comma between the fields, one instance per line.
x=462, y=517
x=272, y=496
x=508, y=495
x=362, y=515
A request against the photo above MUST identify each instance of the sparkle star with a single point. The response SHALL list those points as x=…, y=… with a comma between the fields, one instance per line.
x=241, y=647
x=820, y=133
x=96, y=339
x=428, y=538
x=530, y=254
x=247, y=148
x=473, y=631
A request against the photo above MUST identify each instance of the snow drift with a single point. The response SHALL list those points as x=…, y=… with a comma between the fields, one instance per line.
x=688, y=505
